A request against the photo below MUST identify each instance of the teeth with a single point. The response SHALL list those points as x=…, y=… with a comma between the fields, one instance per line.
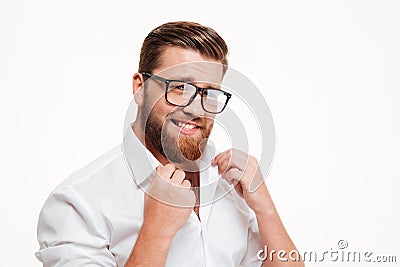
x=186, y=126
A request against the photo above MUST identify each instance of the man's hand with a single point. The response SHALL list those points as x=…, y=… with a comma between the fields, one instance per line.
x=167, y=207
x=243, y=171
x=168, y=202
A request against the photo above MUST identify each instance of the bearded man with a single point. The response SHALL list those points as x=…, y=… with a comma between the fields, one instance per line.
x=147, y=201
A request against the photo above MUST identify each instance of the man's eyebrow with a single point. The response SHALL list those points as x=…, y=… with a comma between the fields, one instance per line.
x=183, y=78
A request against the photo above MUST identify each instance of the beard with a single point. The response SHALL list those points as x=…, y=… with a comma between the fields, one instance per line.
x=175, y=147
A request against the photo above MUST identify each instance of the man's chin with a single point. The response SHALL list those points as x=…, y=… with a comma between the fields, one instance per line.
x=180, y=148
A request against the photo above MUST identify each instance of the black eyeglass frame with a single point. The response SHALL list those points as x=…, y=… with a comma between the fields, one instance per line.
x=198, y=90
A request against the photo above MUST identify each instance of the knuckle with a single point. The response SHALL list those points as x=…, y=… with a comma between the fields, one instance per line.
x=169, y=169
x=159, y=169
x=179, y=171
x=253, y=161
x=186, y=183
x=169, y=166
x=179, y=174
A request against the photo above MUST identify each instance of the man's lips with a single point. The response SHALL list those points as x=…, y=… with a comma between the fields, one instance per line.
x=186, y=125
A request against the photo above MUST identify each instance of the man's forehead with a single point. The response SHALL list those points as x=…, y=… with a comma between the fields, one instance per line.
x=194, y=71
x=181, y=62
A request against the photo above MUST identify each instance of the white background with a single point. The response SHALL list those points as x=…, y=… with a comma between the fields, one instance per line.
x=328, y=69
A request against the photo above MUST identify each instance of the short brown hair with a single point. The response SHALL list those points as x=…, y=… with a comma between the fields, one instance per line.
x=184, y=34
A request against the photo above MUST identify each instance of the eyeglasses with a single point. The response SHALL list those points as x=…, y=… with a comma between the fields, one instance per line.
x=181, y=94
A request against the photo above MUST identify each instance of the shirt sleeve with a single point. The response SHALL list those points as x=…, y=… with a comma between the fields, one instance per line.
x=254, y=245
x=67, y=235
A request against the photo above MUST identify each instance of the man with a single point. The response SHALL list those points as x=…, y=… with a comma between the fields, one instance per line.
x=144, y=203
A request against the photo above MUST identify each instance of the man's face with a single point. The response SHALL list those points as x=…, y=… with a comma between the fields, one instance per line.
x=179, y=133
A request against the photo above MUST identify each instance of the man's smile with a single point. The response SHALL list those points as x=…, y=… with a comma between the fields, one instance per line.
x=186, y=127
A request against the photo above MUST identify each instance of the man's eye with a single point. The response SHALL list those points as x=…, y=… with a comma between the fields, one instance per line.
x=179, y=86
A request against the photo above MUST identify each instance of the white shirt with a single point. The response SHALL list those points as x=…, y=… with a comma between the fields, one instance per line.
x=93, y=218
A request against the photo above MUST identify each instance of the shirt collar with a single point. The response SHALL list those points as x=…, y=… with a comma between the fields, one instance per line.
x=140, y=161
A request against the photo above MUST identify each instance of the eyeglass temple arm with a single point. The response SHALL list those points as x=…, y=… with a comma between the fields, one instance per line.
x=154, y=76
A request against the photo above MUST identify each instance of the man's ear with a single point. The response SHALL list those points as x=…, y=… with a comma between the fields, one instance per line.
x=138, y=87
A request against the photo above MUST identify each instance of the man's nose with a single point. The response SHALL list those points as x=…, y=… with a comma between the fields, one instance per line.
x=195, y=108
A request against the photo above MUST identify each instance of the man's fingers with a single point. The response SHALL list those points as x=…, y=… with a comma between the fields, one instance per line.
x=186, y=184
x=166, y=171
x=223, y=161
x=231, y=158
x=220, y=155
x=231, y=182
x=239, y=189
x=214, y=161
x=227, y=162
x=233, y=175
x=178, y=176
